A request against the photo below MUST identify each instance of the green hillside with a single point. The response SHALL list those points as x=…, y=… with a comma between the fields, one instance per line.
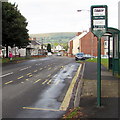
x=60, y=37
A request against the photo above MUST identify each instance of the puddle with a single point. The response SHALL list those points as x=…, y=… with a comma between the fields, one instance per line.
x=48, y=99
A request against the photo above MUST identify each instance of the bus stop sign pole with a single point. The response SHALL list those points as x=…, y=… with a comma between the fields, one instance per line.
x=99, y=28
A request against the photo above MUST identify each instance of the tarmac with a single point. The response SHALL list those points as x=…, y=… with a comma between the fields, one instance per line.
x=89, y=108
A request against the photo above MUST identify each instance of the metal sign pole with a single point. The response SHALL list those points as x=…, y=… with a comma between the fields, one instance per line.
x=99, y=73
x=99, y=27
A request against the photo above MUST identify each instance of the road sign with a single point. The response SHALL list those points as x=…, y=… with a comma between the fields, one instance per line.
x=99, y=28
x=99, y=19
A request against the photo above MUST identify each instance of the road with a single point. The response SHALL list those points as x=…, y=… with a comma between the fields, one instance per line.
x=37, y=88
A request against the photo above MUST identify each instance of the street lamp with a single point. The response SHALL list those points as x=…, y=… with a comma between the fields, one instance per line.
x=91, y=37
x=83, y=10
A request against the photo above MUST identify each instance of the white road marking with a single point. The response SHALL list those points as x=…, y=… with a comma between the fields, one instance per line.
x=57, y=82
x=6, y=74
x=24, y=68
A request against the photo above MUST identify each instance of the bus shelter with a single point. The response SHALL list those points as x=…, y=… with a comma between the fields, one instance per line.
x=113, y=50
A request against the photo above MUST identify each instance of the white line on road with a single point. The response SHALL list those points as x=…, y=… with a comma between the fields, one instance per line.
x=24, y=68
x=7, y=74
x=57, y=82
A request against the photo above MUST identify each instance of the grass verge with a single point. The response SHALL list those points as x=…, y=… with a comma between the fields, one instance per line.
x=72, y=113
x=104, y=62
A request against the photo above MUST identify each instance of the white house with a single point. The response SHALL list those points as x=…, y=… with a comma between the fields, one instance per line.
x=76, y=43
x=59, y=48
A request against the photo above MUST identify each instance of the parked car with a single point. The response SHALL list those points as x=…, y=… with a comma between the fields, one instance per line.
x=104, y=56
x=87, y=56
x=59, y=54
x=79, y=56
x=49, y=54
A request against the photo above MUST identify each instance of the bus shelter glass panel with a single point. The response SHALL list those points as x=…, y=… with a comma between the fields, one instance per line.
x=116, y=46
x=111, y=47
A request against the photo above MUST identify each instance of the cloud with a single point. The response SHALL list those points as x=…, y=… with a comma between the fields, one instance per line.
x=61, y=15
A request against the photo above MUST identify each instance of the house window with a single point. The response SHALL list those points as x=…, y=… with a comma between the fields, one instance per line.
x=105, y=43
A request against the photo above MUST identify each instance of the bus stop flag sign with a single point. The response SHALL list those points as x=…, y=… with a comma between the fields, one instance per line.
x=99, y=28
x=99, y=19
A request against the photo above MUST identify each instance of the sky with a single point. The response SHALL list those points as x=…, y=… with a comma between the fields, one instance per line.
x=47, y=16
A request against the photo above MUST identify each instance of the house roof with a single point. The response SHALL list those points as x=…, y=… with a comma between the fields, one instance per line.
x=79, y=37
x=82, y=35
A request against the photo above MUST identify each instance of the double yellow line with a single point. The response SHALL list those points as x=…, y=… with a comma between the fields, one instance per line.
x=67, y=98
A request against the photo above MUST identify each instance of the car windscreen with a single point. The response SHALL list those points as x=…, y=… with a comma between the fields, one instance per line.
x=79, y=54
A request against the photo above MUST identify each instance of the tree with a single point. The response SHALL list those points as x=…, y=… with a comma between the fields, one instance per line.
x=14, y=32
x=49, y=47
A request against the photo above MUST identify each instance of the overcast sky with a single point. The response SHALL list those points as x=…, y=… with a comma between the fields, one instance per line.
x=46, y=16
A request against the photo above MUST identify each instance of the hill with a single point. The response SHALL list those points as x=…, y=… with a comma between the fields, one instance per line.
x=60, y=37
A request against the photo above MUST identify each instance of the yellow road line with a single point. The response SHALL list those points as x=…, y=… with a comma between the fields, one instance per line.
x=35, y=70
x=20, y=77
x=37, y=80
x=49, y=68
x=28, y=73
x=67, y=98
x=44, y=82
x=30, y=108
x=41, y=68
x=49, y=82
x=8, y=82
x=49, y=75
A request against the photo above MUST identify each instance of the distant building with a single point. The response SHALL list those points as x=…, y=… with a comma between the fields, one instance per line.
x=89, y=44
x=86, y=43
x=59, y=48
x=70, y=48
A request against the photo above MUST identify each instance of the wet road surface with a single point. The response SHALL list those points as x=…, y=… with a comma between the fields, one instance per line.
x=37, y=88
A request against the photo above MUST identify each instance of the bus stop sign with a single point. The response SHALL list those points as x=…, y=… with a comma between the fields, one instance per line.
x=99, y=21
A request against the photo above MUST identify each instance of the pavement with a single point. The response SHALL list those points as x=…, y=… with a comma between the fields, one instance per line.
x=109, y=108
